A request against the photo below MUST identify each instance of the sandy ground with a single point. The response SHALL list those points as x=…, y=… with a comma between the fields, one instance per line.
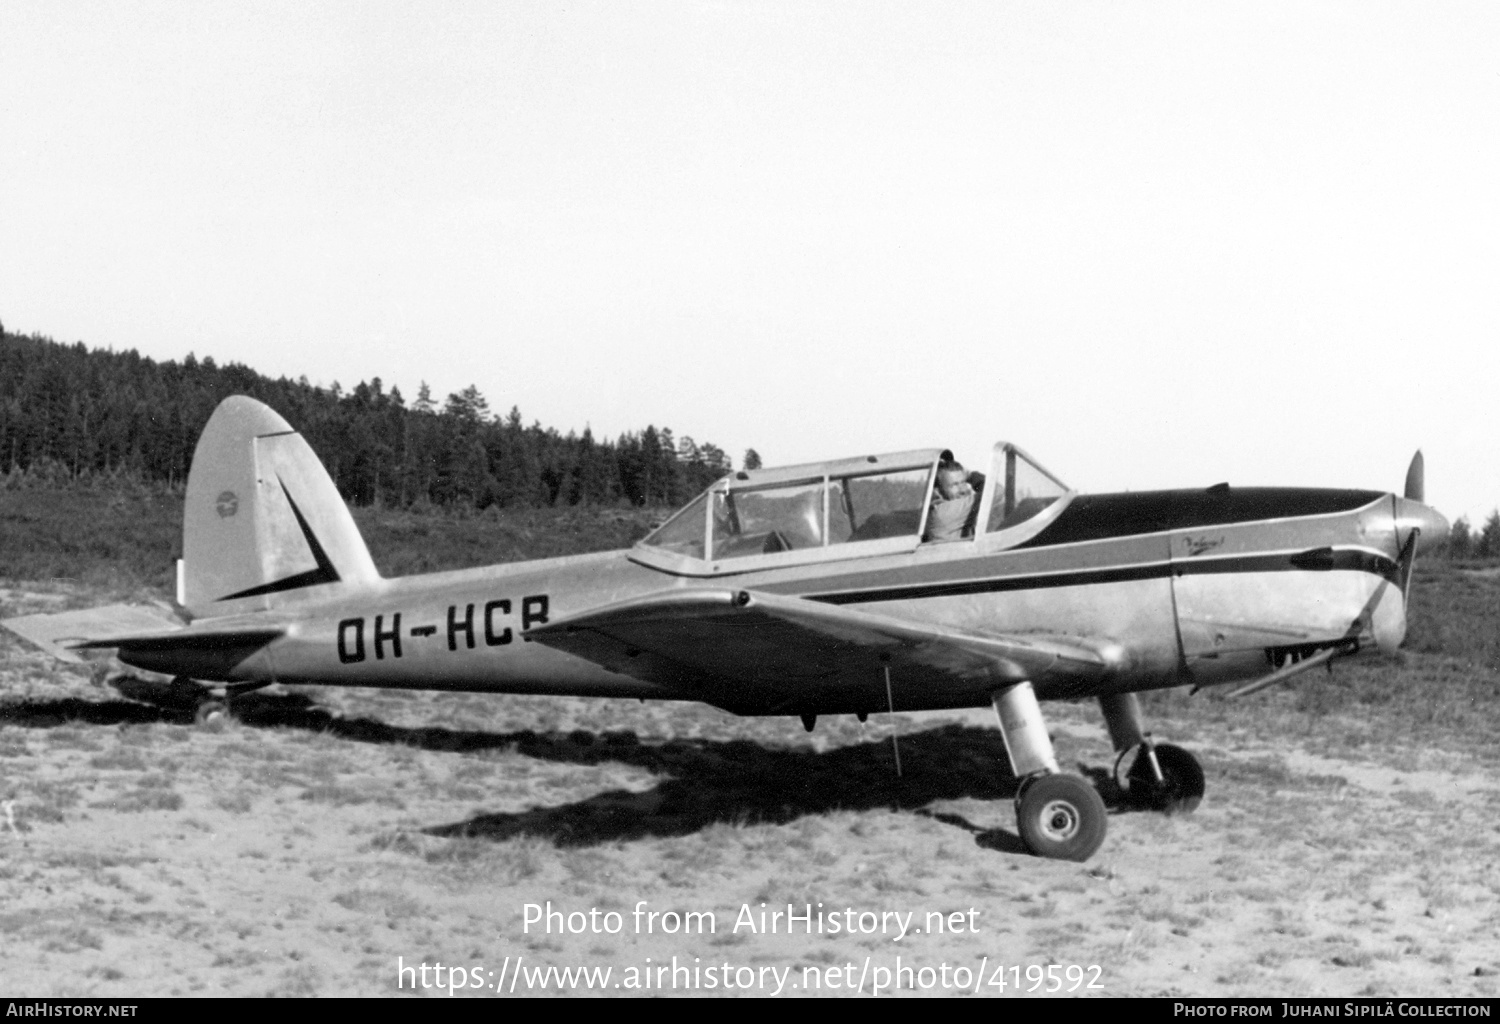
x=329, y=838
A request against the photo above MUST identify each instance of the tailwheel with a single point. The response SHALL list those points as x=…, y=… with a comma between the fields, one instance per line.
x=212, y=709
x=211, y=712
x=1180, y=788
x=1061, y=816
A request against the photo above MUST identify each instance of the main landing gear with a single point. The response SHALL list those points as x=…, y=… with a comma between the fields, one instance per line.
x=1162, y=777
x=1059, y=815
x=1062, y=816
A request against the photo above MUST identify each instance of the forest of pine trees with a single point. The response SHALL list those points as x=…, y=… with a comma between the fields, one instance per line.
x=1466, y=542
x=71, y=412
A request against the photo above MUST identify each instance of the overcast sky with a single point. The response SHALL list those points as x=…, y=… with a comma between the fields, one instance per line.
x=1154, y=244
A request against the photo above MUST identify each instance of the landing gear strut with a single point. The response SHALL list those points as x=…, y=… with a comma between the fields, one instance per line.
x=1162, y=777
x=1060, y=816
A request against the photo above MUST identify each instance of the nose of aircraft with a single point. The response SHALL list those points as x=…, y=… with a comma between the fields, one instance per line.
x=1412, y=513
x=1415, y=515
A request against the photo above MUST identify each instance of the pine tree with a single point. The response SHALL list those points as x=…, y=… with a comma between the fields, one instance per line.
x=1460, y=540
x=468, y=405
x=1489, y=537
x=714, y=461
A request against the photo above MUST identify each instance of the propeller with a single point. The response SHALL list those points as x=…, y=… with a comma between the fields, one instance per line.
x=1416, y=488
x=1425, y=528
x=1414, y=478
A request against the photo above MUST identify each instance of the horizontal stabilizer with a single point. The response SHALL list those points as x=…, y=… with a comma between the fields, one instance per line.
x=55, y=633
x=190, y=638
x=137, y=628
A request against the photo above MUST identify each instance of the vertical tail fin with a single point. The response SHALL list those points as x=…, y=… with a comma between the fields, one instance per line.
x=263, y=524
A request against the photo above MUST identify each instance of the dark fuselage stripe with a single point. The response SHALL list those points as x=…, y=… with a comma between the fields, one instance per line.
x=1358, y=561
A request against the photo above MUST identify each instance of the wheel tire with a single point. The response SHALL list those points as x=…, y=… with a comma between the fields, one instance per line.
x=1061, y=817
x=1182, y=785
x=211, y=712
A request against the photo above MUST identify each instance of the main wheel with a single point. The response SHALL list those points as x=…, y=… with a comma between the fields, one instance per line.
x=1061, y=817
x=1181, y=787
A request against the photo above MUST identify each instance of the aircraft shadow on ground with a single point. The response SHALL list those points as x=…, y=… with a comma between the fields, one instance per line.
x=705, y=782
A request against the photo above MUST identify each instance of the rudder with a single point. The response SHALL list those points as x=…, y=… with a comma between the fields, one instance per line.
x=263, y=525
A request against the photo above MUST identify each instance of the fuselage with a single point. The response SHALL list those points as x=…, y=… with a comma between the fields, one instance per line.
x=1189, y=587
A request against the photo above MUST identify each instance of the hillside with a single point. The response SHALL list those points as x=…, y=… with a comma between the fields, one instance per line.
x=69, y=413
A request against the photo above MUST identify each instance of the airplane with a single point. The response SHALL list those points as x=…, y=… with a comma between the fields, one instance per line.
x=803, y=590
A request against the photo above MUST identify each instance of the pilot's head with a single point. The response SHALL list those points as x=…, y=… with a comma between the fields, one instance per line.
x=953, y=481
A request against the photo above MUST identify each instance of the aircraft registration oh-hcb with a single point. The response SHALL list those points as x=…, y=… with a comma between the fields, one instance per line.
x=806, y=590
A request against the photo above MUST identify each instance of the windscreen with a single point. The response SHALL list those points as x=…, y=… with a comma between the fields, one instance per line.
x=684, y=533
x=1027, y=489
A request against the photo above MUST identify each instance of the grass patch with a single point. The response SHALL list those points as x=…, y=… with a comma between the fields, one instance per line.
x=126, y=538
x=73, y=739
x=71, y=939
x=390, y=903
x=48, y=801
x=508, y=863
x=143, y=799
x=333, y=793
x=91, y=862
x=122, y=759
x=121, y=539
x=234, y=803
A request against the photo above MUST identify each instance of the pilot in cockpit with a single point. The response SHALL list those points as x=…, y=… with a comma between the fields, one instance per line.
x=955, y=503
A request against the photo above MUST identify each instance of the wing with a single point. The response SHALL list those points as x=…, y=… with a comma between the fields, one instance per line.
x=757, y=653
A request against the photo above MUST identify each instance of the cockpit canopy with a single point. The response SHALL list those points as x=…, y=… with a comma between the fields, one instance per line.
x=878, y=504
